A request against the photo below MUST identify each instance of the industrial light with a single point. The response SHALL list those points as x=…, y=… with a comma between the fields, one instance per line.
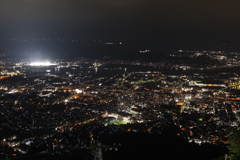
x=41, y=64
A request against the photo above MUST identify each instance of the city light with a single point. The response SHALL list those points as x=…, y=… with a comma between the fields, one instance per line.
x=116, y=99
x=41, y=64
x=78, y=91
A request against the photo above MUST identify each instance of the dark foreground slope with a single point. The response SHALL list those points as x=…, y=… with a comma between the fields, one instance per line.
x=144, y=146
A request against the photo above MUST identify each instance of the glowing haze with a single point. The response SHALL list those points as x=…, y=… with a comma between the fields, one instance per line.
x=41, y=64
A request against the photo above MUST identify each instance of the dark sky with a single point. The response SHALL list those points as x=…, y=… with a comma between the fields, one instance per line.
x=170, y=19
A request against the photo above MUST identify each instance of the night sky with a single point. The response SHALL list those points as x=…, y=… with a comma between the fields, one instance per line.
x=170, y=20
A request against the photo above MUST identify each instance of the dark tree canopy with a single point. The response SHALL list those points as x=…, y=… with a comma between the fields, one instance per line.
x=234, y=146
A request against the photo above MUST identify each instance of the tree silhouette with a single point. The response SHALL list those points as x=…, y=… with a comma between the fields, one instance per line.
x=234, y=146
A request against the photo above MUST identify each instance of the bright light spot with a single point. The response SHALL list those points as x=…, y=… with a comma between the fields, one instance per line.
x=41, y=64
x=79, y=91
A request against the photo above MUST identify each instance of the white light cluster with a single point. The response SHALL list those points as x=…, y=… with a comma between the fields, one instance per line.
x=78, y=91
x=41, y=64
